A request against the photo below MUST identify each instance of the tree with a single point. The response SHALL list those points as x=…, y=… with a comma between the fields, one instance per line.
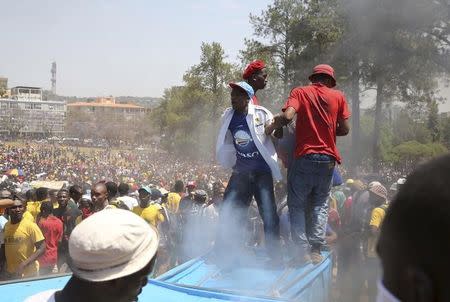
x=433, y=120
x=211, y=75
x=277, y=25
x=188, y=115
x=409, y=154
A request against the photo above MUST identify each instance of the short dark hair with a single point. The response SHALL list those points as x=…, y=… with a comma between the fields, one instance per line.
x=123, y=188
x=46, y=207
x=30, y=195
x=64, y=190
x=41, y=194
x=417, y=224
x=179, y=186
x=111, y=187
x=75, y=189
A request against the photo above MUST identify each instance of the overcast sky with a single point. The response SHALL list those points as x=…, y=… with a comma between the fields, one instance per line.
x=115, y=47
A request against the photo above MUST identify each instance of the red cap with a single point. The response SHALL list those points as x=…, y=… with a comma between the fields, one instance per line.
x=324, y=69
x=191, y=184
x=252, y=68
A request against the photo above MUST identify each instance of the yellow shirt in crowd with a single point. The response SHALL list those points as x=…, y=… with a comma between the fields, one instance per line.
x=29, y=216
x=376, y=219
x=152, y=214
x=34, y=207
x=20, y=240
x=173, y=202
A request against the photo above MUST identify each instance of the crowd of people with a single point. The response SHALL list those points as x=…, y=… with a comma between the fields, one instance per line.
x=318, y=207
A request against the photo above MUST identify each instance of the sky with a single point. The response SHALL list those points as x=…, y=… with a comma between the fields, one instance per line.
x=115, y=47
x=119, y=47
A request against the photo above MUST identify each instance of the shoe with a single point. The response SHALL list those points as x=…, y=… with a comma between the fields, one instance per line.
x=316, y=257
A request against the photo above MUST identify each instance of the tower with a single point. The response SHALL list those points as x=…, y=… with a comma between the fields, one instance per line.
x=53, y=71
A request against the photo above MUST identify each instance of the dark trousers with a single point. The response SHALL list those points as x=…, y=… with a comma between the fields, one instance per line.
x=237, y=198
x=309, y=184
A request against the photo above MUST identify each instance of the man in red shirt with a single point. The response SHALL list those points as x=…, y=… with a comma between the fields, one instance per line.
x=255, y=75
x=322, y=114
x=52, y=229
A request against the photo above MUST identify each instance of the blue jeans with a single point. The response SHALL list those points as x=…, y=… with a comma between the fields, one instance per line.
x=242, y=186
x=309, y=184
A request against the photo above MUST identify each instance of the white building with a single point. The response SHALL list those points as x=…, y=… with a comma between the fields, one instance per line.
x=25, y=112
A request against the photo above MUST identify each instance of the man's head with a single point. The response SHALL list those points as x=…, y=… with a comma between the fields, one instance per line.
x=63, y=198
x=413, y=245
x=16, y=211
x=179, y=186
x=76, y=192
x=99, y=195
x=86, y=204
x=200, y=196
x=255, y=75
x=324, y=74
x=156, y=194
x=112, y=189
x=112, y=253
x=46, y=208
x=30, y=195
x=144, y=196
x=241, y=93
x=52, y=194
x=378, y=194
x=190, y=186
x=41, y=194
x=123, y=189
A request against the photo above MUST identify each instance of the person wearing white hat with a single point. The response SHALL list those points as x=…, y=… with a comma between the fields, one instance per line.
x=112, y=254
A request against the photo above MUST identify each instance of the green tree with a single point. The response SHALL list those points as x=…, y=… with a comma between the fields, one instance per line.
x=188, y=115
x=433, y=120
x=276, y=26
x=211, y=75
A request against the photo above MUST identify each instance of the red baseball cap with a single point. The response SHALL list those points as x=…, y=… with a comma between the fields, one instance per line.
x=324, y=69
x=251, y=68
x=191, y=184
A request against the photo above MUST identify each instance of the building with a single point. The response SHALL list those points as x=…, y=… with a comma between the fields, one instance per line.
x=107, y=106
x=25, y=112
x=104, y=118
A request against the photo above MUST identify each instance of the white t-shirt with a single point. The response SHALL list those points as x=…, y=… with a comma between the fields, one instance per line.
x=3, y=221
x=47, y=296
x=129, y=201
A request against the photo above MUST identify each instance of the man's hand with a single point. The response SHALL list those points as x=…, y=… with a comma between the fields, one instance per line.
x=278, y=133
x=20, y=270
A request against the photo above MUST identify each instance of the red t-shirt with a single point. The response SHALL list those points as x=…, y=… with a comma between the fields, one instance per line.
x=318, y=110
x=52, y=228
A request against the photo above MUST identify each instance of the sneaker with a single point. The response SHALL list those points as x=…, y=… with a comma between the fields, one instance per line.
x=316, y=257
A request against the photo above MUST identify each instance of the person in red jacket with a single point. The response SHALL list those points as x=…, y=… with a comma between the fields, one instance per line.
x=52, y=228
x=322, y=114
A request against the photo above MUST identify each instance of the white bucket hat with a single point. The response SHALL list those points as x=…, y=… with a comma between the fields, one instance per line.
x=111, y=244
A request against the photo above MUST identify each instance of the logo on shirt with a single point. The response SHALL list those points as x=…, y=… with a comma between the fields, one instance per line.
x=242, y=138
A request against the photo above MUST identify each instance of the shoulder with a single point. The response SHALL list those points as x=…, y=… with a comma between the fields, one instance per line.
x=227, y=112
x=262, y=110
x=156, y=206
x=336, y=93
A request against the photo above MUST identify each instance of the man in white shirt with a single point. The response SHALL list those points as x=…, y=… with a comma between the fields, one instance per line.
x=243, y=145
